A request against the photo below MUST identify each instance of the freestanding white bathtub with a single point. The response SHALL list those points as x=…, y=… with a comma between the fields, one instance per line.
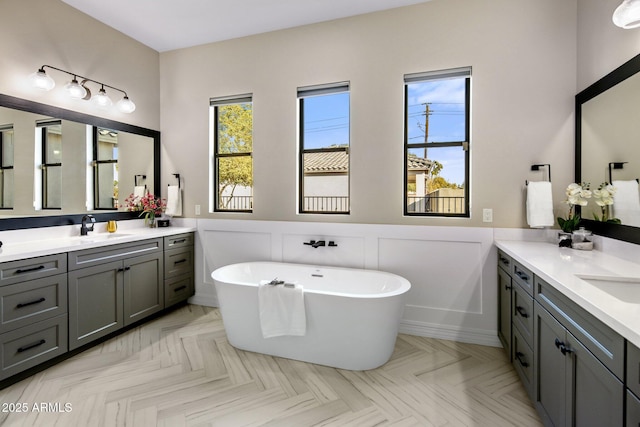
x=352, y=315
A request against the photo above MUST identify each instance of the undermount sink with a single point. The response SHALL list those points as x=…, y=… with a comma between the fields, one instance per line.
x=625, y=289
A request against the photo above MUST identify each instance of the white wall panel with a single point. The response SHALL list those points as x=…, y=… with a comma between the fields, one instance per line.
x=452, y=269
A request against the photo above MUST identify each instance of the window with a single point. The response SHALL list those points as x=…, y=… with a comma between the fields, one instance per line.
x=105, y=168
x=50, y=138
x=232, y=147
x=6, y=167
x=436, y=174
x=324, y=148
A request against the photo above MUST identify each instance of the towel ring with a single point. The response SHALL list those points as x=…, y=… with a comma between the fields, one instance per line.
x=177, y=175
x=537, y=168
x=135, y=179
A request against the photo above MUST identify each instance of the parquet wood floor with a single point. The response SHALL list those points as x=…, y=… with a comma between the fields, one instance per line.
x=179, y=370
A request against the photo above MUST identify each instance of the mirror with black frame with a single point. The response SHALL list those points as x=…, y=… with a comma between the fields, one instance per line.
x=57, y=165
x=608, y=150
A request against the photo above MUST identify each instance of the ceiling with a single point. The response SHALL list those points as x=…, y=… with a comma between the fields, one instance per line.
x=173, y=24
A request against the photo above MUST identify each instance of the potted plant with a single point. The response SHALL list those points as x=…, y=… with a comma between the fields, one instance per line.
x=577, y=195
x=148, y=205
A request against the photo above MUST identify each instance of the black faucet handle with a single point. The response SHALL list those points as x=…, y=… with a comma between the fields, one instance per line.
x=309, y=243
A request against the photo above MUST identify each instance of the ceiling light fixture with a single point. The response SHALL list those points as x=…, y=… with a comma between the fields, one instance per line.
x=627, y=15
x=41, y=80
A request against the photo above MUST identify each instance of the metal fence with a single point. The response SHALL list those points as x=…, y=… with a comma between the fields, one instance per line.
x=326, y=204
x=236, y=203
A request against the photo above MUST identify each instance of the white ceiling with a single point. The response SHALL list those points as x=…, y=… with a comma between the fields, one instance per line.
x=173, y=24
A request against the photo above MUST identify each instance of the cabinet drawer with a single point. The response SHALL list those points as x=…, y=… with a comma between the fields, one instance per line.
x=522, y=313
x=32, y=268
x=633, y=368
x=605, y=344
x=25, y=303
x=523, y=361
x=178, y=289
x=505, y=262
x=178, y=241
x=29, y=346
x=523, y=276
x=178, y=262
x=97, y=256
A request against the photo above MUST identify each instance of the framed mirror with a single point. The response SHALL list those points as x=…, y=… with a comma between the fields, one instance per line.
x=57, y=165
x=607, y=144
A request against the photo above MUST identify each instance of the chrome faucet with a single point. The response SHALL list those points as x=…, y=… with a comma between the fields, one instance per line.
x=84, y=229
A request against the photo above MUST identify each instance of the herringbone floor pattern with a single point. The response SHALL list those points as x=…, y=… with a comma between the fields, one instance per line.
x=179, y=370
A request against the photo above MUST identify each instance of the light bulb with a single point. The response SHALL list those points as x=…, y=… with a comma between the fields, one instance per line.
x=627, y=15
x=126, y=105
x=75, y=89
x=41, y=80
x=101, y=99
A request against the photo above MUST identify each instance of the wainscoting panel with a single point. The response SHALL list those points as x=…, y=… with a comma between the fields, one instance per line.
x=452, y=269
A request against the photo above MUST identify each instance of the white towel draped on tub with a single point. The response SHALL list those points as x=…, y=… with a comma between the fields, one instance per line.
x=626, y=202
x=539, y=204
x=281, y=310
x=174, y=201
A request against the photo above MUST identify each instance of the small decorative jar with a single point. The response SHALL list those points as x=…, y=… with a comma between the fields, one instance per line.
x=582, y=239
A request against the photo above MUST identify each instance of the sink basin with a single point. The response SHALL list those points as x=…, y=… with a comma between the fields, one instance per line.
x=625, y=289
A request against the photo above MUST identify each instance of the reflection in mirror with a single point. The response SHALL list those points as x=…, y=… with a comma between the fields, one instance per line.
x=105, y=164
x=67, y=154
x=6, y=166
x=608, y=149
x=610, y=135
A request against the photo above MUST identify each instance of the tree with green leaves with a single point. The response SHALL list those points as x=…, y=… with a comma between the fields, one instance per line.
x=235, y=137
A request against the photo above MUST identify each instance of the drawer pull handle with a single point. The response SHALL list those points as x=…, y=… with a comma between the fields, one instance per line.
x=175, y=242
x=25, y=304
x=30, y=346
x=523, y=276
x=520, y=356
x=563, y=347
x=124, y=269
x=29, y=270
x=504, y=260
x=507, y=287
x=179, y=288
x=180, y=261
x=521, y=311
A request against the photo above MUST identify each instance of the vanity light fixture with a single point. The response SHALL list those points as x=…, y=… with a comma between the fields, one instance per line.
x=78, y=90
x=627, y=15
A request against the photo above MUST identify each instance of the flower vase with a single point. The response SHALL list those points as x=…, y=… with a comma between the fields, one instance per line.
x=151, y=221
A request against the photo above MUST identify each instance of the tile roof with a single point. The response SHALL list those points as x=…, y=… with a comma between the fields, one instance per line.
x=338, y=162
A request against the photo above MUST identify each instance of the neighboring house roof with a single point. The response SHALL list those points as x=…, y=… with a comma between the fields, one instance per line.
x=326, y=162
x=338, y=162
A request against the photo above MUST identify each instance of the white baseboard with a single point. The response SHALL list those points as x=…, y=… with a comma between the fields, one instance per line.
x=470, y=336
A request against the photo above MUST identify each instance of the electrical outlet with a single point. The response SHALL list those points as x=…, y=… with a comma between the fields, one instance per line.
x=487, y=215
x=197, y=209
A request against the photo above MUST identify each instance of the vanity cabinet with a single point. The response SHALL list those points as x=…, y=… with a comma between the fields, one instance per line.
x=505, y=268
x=112, y=287
x=633, y=385
x=578, y=361
x=178, y=268
x=33, y=312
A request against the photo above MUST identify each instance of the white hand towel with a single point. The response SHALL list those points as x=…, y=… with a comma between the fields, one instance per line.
x=139, y=191
x=539, y=204
x=281, y=310
x=174, y=201
x=626, y=202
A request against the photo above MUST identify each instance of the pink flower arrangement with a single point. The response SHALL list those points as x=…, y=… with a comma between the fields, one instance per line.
x=148, y=205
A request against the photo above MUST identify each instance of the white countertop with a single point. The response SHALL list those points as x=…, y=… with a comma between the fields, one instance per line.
x=560, y=267
x=20, y=244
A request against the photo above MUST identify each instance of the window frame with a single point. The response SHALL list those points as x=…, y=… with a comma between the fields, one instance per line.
x=313, y=91
x=95, y=162
x=465, y=144
x=45, y=165
x=3, y=168
x=214, y=104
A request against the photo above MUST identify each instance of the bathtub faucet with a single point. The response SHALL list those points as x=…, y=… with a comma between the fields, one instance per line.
x=275, y=282
x=316, y=244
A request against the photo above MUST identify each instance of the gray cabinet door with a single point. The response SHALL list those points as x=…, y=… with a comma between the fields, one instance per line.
x=552, y=370
x=95, y=302
x=598, y=396
x=143, y=287
x=504, y=312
